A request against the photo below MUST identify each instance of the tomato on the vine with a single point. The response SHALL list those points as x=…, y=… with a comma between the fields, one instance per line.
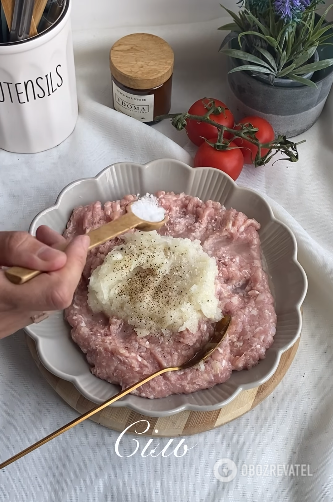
x=197, y=131
x=265, y=134
x=230, y=161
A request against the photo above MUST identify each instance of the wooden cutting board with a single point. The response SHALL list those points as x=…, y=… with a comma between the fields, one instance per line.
x=181, y=424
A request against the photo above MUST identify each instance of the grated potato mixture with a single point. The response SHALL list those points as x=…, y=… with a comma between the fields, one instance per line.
x=156, y=283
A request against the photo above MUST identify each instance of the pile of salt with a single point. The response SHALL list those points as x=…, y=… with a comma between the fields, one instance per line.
x=147, y=209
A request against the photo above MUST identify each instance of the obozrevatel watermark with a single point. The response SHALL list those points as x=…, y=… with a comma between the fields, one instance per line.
x=179, y=450
x=225, y=470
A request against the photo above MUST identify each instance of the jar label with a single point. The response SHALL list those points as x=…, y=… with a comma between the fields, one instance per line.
x=138, y=107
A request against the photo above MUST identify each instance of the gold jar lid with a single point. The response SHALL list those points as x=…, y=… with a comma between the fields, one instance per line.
x=141, y=61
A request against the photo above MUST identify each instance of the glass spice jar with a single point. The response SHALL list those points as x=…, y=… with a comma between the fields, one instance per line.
x=141, y=69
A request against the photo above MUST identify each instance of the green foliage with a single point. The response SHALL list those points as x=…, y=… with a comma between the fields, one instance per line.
x=275, y=47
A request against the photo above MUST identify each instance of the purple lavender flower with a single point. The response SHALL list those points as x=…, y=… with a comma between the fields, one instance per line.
x=291, y=10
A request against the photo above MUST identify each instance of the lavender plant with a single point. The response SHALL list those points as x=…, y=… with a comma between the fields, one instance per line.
x=279, y=38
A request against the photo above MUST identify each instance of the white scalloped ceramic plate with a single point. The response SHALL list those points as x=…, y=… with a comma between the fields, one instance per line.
x=61, y=356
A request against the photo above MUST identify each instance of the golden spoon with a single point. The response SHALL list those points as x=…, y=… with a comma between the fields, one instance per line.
x=20, y=275
x=203, y=354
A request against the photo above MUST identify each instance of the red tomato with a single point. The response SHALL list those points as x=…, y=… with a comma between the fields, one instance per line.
x=196, y=131
x=229, y=161
x=265, y=134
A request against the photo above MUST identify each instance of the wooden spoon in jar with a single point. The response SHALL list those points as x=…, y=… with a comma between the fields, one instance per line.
x=215, y=341
x=8, y=8
x=20, y=275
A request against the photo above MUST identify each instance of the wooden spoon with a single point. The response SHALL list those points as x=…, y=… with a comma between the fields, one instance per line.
x=38, y=10
x=8, y=8
x=219, y=334
x=20, y=275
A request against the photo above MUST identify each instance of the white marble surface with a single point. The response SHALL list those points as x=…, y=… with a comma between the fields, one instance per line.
x=292, y=426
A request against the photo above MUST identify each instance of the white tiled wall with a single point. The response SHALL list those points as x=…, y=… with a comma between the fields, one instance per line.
x=110, y=13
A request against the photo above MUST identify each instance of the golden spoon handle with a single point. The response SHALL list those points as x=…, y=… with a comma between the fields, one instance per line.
x=221, y=328
x=20, y=275
x=80, y=419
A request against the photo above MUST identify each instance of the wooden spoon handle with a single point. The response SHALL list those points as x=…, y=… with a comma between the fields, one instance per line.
x=33, y=28
x=113, y=229
x=38, y=10
x=8, y=8
x=20, y=275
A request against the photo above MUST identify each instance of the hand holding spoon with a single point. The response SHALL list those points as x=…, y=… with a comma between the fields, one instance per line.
x=20, y=275
x=219, y=334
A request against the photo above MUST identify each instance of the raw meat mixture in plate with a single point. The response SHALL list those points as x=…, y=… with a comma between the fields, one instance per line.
x=114, y=350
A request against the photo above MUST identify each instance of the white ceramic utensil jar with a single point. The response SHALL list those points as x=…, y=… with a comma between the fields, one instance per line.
x=38, y=100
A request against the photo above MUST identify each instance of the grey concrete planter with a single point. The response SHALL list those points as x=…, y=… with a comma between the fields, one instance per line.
x=290, y=110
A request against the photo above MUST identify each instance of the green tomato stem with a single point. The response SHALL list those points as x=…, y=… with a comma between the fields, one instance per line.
x=244, y=131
